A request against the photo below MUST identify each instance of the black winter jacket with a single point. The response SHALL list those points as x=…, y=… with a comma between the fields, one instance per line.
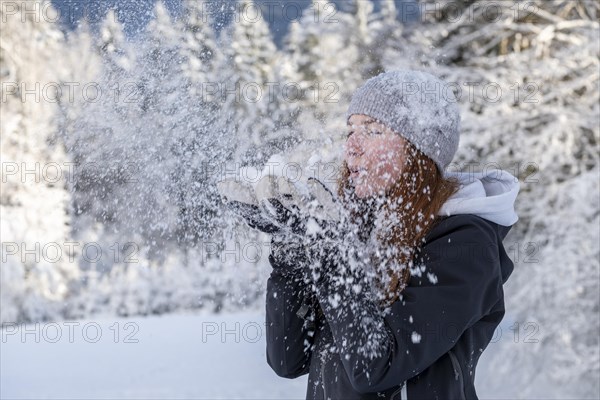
x=434, y=334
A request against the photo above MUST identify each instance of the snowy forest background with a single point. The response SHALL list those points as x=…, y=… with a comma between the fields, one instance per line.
x=109, y=164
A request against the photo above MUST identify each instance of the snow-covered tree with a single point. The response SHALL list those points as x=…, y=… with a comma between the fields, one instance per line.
x=324, y=58
x=200, y=50
x=367, y=32
x=246, y=81
x=36, y=275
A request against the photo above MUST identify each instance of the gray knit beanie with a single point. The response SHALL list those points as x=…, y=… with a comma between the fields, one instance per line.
x=417, y=105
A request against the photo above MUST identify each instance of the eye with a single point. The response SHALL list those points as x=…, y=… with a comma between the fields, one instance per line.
x=375, y=132
x=349, y=133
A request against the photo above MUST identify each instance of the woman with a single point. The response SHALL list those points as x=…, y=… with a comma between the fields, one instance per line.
x=430, y=244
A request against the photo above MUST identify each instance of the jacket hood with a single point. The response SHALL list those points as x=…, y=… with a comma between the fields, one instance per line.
x=490, y=195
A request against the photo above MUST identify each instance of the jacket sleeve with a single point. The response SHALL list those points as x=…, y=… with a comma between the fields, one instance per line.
x=289, y=336
x=459, y=282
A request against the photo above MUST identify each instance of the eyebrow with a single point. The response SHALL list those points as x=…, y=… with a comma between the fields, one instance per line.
x=368, y=122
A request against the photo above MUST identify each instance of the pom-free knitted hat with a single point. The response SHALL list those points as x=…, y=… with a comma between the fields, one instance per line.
x=418, y=106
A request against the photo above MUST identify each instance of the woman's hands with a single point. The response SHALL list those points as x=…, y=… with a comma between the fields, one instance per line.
x=296, y=206
x=278, y=205
x=241, y=199
x=306, y=221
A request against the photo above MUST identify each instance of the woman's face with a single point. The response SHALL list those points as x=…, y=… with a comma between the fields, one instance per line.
x=375, y=156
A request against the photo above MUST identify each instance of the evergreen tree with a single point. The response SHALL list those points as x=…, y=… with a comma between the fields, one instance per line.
x=34, y=200
x=246, y=73
x=200, y=51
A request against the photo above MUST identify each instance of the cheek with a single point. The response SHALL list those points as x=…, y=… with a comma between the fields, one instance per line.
x=385, y=166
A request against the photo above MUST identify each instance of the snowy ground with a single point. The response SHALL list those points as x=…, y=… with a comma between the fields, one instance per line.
x=173, y=356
